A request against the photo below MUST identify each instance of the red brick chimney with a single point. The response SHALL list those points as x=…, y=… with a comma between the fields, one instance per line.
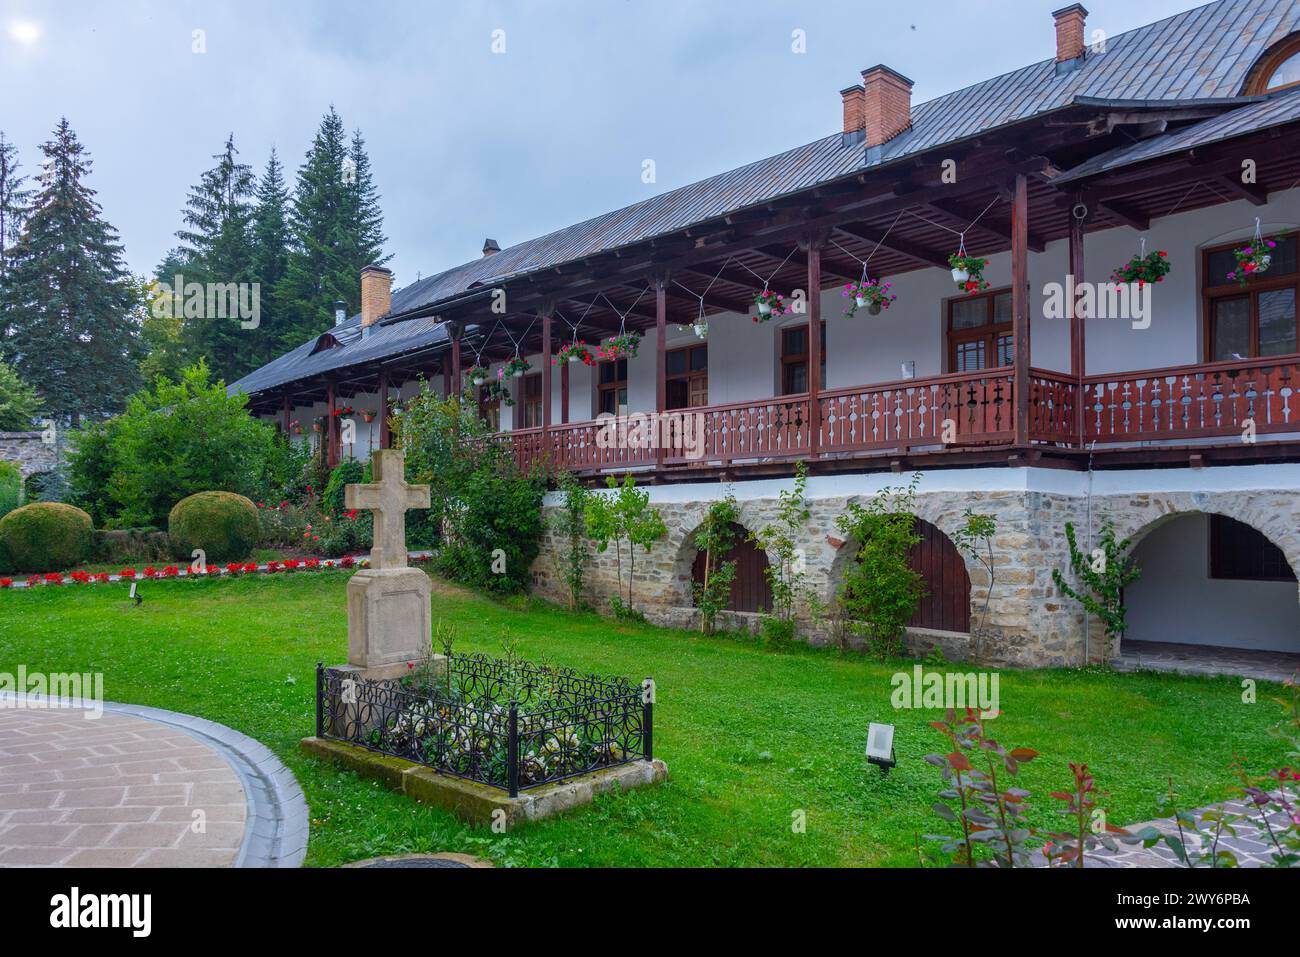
x=854, y=97
x=886, y=104
x=376, y=294
x=1069, y=32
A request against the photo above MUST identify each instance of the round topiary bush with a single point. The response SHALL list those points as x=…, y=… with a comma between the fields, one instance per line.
x=45, y=537
x=223, y=524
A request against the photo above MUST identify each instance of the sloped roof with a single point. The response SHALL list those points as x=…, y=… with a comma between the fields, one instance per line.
x=1203, y=54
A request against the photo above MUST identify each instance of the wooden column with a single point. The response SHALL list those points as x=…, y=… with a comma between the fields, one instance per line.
x=455, y=366
x=1078, y=352
x=331, y=428
x=1020, y=307
x=286, y=412
x=661, y=360
x=564, y=393
x=546, y=311
x=384, y=437
x=446, y=378
x=814, y=344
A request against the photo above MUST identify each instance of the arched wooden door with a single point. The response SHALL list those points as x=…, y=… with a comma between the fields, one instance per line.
x=750, y=591
x=946, y=607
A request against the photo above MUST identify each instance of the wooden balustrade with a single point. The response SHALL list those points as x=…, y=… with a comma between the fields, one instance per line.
x=1193, y=401
x=960, y=410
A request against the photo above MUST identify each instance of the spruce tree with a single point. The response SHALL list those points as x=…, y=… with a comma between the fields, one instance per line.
x=13, y=204
x=337, y=231
x=67, y=294
x=271, y=239
x=217, y=249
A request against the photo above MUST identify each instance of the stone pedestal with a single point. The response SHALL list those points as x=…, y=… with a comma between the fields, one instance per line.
x=389, y=619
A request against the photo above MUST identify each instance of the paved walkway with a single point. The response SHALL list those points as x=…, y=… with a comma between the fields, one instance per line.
x=141, y=787
x=1207, y=660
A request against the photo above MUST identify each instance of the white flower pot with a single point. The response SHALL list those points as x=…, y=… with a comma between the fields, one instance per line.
x=764, y=308
x=960, y=276
x=701, y=329
x=861, y=301
x=479, y=380
x=1264, y=262
x=573, y=358
x=518, y=373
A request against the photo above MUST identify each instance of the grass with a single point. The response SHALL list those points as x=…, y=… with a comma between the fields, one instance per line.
x=751, y=736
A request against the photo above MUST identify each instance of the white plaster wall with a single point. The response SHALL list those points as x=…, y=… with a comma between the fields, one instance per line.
x=1176, y=599
x=867, y=349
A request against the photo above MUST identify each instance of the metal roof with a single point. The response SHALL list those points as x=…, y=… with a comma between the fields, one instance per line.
x=1201, y=55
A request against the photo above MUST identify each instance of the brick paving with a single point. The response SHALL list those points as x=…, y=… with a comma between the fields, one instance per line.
x=114, y=791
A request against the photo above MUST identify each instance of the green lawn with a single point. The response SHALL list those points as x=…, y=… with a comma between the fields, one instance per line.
x=750, y=735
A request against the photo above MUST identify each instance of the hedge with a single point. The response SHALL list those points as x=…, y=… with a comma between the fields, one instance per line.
x=44, y=536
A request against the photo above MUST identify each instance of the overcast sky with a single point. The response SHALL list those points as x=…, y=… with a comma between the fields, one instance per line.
x=467, y=143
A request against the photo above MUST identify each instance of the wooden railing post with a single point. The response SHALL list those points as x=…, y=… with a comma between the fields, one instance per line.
x=1078, y=352
x=1020, y=307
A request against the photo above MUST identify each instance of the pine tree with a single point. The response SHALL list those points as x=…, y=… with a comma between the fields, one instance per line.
x=337, y=230
x=67, y=293
x=13, y=202
x=217, y=249
x=271, y=243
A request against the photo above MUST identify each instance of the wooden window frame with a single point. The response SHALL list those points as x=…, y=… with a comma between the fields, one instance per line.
x=524, y=403
x=783, y=361
x=1232, y=290
x=612, y=386
x=990, y=332
x=690, y=376
x=1268, y=64
x=1216, y=561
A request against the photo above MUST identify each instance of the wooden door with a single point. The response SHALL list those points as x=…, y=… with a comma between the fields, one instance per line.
x=750, y=591
x=946, y=607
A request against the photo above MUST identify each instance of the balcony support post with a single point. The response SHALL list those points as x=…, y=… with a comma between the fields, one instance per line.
x=660, y=280
x=813, y=245
x=545, y=312
x=385, y=439
x=331, y=427
x=1078, y=353
x=285, y=412
x=1020, y=308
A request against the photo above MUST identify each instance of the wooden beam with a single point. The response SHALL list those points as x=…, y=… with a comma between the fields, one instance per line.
x=1020, y=307
x=1251, y=192
x=918, y=251
x=816, y=240
x=1078, y=351
x=992, y=222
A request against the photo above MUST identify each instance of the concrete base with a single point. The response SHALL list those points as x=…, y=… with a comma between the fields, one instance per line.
x=479, y=803
x=389, y=618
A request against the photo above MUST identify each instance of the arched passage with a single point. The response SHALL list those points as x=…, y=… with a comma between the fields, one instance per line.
x=1212, y=579
x=750, y=591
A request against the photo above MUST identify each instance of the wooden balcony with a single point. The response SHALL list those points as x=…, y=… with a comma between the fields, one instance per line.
x=970, y=411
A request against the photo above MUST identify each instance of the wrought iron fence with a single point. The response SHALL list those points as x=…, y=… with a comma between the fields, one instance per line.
x=502, y=723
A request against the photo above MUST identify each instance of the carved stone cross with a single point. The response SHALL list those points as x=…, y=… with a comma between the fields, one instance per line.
x=388, y=497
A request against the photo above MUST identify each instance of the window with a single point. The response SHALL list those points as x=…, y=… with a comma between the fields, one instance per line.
x=1238, y=551
x=1277, y=69
x=794, y=359
x=611, y=386
x=688, y=377
x=1255, y=320
x=979, y=332
x=489, y=408
x=529, y=402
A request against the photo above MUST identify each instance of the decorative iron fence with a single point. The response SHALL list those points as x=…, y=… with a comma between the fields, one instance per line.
x=502, y=723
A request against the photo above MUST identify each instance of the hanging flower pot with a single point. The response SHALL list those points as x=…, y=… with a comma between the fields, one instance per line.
x=870, y=294
x=1142, y=269
x=574, y=352
x=478, y=375
x=368, y=415
x=516, y=367
x=622, y=346
x=1252, y=260
x=768, y=304
x=968, y=271
x=317, y=425
x=701, y=329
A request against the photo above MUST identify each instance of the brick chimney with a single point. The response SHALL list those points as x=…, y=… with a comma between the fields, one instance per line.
x=490, y=246
x=886, y=104
x=1069, y=32
x=853, y=97
x=376, y=294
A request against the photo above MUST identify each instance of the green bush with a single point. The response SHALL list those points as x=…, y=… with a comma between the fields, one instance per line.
x=45, y=537
x=131, y=546
x=223, y=524
x=11, y=487
x=344, y=474
x=173, y=440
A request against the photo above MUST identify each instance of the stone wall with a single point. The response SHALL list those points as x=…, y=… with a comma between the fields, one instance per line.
x=1030, y=623
x=28, y=452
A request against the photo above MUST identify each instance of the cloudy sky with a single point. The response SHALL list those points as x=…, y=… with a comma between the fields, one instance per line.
x=466, y=142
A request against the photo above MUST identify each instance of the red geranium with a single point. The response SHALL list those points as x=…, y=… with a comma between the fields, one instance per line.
x=150, y=572
x=54, y=578
x=6, y=583
x=80, y=577
x=101, y=576
x=33, y=581
x=250, y=567
x=126, y=573
x=347, y=561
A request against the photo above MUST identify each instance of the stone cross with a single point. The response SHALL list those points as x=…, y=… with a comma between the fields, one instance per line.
x=388, y=498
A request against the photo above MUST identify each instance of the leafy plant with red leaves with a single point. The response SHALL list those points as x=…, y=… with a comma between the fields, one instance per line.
x=1091, y=829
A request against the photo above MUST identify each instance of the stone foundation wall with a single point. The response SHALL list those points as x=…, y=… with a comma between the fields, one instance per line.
x=1030, y=622
x=28, y=452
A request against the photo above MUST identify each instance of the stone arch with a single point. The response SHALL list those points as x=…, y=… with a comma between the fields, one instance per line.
x=1227, y=612
x=684, y=550
x=946, y=570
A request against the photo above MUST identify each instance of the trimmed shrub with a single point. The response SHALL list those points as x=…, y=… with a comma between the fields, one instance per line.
x=131, y=546
x=223, y=524
x=46, y=537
